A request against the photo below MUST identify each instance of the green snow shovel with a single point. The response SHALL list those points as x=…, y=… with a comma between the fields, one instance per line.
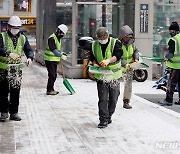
x=156, y=59
x=66, y=82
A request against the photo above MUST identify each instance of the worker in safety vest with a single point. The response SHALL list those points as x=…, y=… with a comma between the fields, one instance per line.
x=12, y=45
x=173, y=62
x=53, y=55
x=105, y=53
x=130, y=55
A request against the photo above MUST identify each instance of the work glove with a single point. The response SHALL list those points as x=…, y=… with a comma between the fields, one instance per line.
x=136, y=61
x=28, y=62
x=14, y=56
x=64, y=56
x=128, y=67
x=104, y=63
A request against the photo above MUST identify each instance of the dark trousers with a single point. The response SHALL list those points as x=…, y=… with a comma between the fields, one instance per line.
x=52, y=74
x=174, y=79
x=108, y=97
x=8, y=105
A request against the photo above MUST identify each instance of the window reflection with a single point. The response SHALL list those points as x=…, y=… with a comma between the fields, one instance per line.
x=164, y=14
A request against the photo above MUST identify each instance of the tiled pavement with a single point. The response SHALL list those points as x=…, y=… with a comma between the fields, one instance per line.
x=67, y=124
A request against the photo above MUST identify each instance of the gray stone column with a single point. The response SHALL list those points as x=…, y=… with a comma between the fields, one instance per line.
x=144, y=30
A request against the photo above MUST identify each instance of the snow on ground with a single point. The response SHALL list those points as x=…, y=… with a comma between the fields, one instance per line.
x=68, y=123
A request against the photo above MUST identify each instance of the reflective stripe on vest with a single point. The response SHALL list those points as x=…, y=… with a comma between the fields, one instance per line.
x=49, y=55
x=174, y=62
x=128, y=53
x=115, y=67
x=8, y=45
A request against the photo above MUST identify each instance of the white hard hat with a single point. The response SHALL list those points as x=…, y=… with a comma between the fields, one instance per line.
x=15, y=21
x=63, y=28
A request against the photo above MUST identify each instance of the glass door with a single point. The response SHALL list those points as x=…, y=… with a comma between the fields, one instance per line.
x=164, y=13
x=91, y=16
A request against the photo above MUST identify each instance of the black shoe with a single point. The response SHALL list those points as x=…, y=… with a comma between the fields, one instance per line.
x=15, y=117
x=4, y=116
x=109, y=121
x=177, y=103
x=52, y=92
x=165, y=103
x=103, y=124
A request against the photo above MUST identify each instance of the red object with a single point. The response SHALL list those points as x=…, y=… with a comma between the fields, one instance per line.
x=92, y=24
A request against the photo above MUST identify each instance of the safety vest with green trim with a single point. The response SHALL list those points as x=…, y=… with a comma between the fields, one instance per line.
x=127, y=54
x=174, y=62
x=49, y=55
x=8, y=45
x=115, y=67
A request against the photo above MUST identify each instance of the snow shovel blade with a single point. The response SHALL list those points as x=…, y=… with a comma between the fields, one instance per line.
x=68, y=86
x=156, y=59
x=144, y=64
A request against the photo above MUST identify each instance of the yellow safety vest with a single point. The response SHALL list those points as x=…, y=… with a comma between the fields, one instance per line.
x=49, y=55
x=8, y=45
x=174, y=62
x=115, y=67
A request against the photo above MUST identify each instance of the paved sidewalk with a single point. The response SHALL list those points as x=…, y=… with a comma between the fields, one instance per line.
x=67, y=124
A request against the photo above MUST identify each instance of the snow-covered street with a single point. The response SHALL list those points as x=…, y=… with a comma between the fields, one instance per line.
x=67, y=124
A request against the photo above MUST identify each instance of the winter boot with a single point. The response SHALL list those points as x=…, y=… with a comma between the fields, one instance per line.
x=52, y=92
x=103, y=124
x=126, y=104
x=15, y=117
x=177, y=103
x=166, y=103
x=109, y=120
x=4, y=116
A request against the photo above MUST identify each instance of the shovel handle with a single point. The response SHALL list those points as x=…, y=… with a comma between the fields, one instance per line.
x=62, y=67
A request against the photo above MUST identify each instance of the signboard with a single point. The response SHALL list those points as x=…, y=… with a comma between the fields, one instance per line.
x=144, y=17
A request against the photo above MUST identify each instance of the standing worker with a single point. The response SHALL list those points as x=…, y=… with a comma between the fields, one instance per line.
x=12, y=44
x=130, y=55
x=173, y=61
x=106, y=52
x=53, y=55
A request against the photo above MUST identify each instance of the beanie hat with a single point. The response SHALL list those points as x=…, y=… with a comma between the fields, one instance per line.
x=174, y=26
x=125, y=31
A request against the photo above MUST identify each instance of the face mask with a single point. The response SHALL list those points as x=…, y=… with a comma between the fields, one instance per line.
x=14, y=31
x=103, y=41
x=172, y=34
x=60, y=35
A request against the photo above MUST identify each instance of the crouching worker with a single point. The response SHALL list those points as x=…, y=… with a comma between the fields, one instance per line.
x=106, y=52
x=12, y=44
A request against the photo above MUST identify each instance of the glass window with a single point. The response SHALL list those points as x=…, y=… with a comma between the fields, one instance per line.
x=90, y=17
x=164, y=14
x=22, y=5
x=64, y=16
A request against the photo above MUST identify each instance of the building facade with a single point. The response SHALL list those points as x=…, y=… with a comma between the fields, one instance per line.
x=149, y=20
x=26, y=10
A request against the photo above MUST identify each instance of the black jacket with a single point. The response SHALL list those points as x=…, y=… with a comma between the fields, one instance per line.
x=27, y=48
